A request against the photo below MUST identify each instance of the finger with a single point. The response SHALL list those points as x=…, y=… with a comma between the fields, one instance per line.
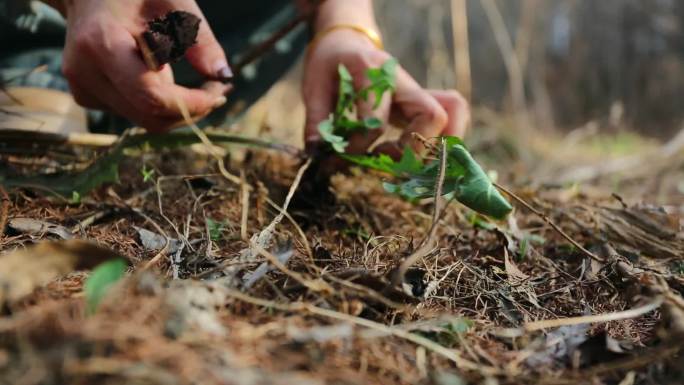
x=112, y=100
x=82, y=80
x=154, y=93
x=422, y=112
x=319, y=97
x=207, y=56
x=86, y=99
x=457, y=109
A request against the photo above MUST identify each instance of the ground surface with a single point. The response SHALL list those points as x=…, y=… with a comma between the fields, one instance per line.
x=466, y=313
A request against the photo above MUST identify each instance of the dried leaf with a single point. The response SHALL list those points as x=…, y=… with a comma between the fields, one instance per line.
x=283, y=255
x=153, y=241
x=512, y=270
x=559, y=345
x=36, y=227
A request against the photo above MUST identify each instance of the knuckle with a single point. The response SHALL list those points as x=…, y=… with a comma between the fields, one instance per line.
x=456, y=103
x=151, y=102
x=84, y=40
x=375, y=57
x=454, y=96
x=460, y=102
x=438, y=116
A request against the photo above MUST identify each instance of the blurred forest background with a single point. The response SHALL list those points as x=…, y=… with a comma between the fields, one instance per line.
x=609, y=65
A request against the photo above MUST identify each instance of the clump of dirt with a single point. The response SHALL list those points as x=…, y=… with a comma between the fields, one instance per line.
x=170, y=36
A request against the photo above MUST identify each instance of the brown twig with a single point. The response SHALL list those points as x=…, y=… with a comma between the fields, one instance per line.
x=549, y=222
x=419, y=340
x=316, y=286
x=244, y=198
x=616, y=316
x=428, y=241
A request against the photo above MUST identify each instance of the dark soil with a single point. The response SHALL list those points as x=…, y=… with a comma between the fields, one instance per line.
x=169, y=36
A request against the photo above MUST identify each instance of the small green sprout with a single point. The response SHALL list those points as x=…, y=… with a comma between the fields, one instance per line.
x=215, y=229
x=75, y=198
x=147, y=174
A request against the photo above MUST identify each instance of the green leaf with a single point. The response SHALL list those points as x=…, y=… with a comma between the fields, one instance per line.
x=346, y=82
x=75, y=198
x=215, y=229
x=326, y=128
x=409, y=163
x=347, y=95
x=463, y=177
x=100, y=280
x=380, y=162
x=147, y=174
x=475, y=190
x=382, y=80
x=372, y=123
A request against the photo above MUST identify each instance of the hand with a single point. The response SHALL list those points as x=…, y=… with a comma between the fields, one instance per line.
x=430, y=113
x=106, y=71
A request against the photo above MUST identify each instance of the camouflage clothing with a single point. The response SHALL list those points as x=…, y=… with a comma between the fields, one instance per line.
x=32, y=34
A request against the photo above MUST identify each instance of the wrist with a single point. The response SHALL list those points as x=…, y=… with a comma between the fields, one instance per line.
x=350, y=12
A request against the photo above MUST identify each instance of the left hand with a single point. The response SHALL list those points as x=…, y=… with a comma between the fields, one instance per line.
x=430, y=113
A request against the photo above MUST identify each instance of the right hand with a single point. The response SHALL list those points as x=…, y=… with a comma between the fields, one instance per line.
x=105, y=69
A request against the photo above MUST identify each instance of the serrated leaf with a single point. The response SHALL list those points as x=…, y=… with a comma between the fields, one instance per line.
x=346, y=94
x=101, y=280
x=345, y=127
x=409, y=163
x=382, y=80
x=380, y=162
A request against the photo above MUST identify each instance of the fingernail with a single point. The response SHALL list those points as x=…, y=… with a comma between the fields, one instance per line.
x=221, y=100
x=224, y=73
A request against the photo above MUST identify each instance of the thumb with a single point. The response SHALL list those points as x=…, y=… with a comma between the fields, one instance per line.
x=207, y=56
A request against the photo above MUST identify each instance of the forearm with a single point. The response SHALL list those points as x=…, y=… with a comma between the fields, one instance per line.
x=336, y=12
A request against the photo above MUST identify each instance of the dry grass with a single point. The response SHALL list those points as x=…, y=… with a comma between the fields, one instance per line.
x=327, y=315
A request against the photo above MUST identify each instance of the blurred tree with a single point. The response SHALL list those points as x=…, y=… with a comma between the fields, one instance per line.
x=581, y=60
